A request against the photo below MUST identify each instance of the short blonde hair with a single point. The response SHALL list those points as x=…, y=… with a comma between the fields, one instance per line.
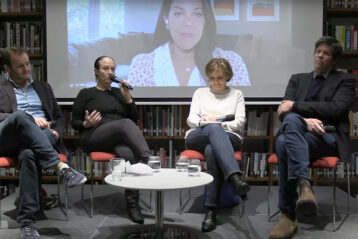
x=217, y=63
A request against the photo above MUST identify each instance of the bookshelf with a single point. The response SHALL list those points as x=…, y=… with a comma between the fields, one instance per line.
x=23, y=23
x=340, y=20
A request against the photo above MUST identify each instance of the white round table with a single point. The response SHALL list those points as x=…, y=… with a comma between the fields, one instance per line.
x=165, y=179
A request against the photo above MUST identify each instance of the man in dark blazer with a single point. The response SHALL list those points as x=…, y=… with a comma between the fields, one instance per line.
x=311, y=102
x=31, y=124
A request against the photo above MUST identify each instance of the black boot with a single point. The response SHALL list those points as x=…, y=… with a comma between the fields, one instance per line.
x=133, y=208
x=240, y=186
x=209, y=222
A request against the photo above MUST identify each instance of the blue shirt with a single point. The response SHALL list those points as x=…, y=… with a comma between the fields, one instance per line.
x=28, y=100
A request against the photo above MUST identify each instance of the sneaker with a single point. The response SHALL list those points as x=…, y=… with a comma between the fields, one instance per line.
x=72, y=178
x=29, y=231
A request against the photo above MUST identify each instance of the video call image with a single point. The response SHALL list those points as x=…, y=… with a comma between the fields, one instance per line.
x=161, y=47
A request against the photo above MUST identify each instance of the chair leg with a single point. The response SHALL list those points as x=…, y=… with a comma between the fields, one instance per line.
x=150, y=201
x=0, y=204
x=270, y=179
x=348, y=187
x=242, y=207
x=66, y=195
x=268, y=193
x=180, y=202
x=334, y=200
x=91, y=188
x=65, y=211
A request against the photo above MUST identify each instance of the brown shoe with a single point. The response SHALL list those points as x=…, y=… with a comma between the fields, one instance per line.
x=284, y=228
x=306, y=204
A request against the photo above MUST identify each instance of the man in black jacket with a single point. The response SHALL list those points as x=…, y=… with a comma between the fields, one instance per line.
x=311, y=102
x=31, y=125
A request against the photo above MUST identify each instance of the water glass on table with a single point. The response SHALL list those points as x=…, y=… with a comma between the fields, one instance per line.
x=182, y=164
x=194, y=167
x=154, y=163
x=117, y=168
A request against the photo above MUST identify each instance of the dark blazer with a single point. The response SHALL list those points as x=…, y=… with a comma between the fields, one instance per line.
x=335, y=99
x=8, y=105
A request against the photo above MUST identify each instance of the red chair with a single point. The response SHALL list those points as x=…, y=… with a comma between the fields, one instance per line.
x=193, y=154
x=5, y=162
x=100, y=157
x=329, y=163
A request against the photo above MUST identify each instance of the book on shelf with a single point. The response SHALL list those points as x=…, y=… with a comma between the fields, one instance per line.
x=342, y=3
x=353, y=121
x=28, y=35
x=162, y=120
x=257, y=123
x=345, y=34
x=20, y=6
x=254, y=164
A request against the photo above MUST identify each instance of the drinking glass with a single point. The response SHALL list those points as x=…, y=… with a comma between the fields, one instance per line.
x=154, y=163
x=117, y=168
x=194, y=167
x=182, y=164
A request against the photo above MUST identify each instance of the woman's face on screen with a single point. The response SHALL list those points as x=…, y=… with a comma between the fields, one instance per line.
x=186, y=22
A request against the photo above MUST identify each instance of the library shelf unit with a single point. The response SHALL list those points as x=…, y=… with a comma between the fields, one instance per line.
x=23, y=23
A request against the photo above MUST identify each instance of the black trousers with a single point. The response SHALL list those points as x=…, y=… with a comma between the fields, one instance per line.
x=123, y=138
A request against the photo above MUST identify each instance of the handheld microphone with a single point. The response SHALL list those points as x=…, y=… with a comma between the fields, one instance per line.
x=120, y=81
x=329, y=128
x=225, y=118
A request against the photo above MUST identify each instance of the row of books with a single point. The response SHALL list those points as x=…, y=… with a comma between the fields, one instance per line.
x=163, y=120
x=346, y=34
x=27, y=35
x=342, y=4
x=257, y=123
x=20, y=5
x=254, y=164
x=353, y=119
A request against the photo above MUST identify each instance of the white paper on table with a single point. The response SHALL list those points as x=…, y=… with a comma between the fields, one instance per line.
x=138, y=168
